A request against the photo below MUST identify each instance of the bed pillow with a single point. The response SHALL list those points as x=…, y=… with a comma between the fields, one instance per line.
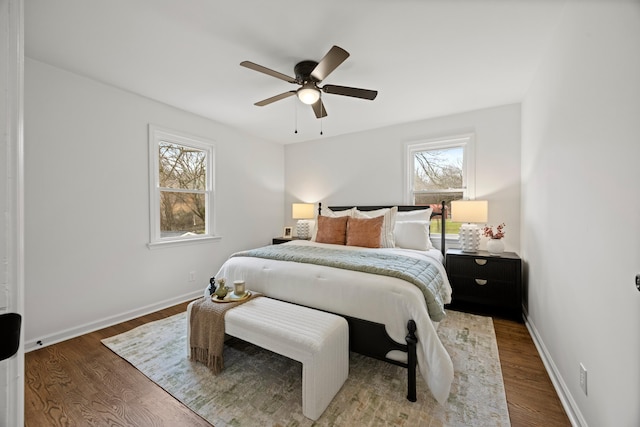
x=417, y=215
x=332, y=230
x=364, y=232
x=329, y=213
x=389, y=214
x=412, y=235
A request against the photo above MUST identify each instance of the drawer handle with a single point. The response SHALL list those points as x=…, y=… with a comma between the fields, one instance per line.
x=481, y=261
x=481, y=281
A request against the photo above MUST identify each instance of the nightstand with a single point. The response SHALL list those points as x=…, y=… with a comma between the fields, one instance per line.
x=279, y=240
x=486, y=284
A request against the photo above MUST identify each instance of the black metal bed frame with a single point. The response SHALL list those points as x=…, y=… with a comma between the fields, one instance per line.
x=371, y=338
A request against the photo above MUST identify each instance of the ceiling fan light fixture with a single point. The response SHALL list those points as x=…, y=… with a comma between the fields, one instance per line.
x=308, y=74
x=308, y=94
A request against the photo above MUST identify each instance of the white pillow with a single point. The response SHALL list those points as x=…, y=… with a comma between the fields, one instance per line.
x=417, y=215
x=328, y=212
x=386, y=237
x=412, y=235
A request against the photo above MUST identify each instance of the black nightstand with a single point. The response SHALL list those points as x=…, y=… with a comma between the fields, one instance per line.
x=486, y=284
x=279, y=240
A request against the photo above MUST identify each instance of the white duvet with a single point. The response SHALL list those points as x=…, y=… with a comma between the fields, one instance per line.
x=382, y=299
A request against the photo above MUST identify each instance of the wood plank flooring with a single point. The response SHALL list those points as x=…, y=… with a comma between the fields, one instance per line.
x=531, y=398
x=80, y=382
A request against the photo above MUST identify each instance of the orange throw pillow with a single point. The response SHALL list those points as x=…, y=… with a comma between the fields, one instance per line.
x=332, y=230
x=364, y=232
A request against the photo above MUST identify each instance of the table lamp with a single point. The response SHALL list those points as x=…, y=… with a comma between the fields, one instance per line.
x=302, y=212
x=469, y=212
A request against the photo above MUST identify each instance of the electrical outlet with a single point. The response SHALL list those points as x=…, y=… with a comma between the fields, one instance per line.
x=192, y=276
x=583, y=378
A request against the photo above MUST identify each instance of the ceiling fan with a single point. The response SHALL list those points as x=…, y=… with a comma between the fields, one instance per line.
x=308, y=75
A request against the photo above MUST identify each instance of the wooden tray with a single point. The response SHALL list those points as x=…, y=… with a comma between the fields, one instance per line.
x=231, y=297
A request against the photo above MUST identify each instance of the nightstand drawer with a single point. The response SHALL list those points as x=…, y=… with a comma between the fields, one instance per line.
x=497, y=293
x=483, y=268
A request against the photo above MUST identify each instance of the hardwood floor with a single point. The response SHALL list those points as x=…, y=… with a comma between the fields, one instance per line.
x=80, y=382
x=531, y=398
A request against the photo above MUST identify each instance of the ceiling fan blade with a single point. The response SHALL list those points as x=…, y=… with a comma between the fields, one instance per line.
x=330, y=62
x=275, y=98
x=318, y=108
x=267, y=71
x=350, y=91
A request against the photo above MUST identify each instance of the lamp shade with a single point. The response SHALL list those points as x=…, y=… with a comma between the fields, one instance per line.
x=469, y=211
x=308, y=94
x=302, y=211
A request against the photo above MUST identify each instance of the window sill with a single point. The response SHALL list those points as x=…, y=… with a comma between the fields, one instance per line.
x=182, y=242
x=450, y=240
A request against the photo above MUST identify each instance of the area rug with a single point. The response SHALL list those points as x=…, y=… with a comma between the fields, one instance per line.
x=261, y=388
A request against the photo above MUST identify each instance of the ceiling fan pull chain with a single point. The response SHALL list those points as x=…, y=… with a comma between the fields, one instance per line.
x=295, y=115
x=321, y=115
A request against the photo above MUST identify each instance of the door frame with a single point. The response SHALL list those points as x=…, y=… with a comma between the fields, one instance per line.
x=12, y=202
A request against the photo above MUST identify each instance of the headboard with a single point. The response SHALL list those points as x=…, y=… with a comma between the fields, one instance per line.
x=401, y=208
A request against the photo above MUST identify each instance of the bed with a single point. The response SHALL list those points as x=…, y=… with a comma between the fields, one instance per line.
x=389, y=318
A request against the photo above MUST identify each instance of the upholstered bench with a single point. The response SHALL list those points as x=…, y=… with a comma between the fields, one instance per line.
x=319, y=340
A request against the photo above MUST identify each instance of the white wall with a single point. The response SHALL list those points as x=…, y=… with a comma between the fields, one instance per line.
x=581, y=208
x=368, y=167
x=87, y=204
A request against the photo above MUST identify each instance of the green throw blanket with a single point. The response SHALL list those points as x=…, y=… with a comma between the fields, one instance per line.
x=420, y=272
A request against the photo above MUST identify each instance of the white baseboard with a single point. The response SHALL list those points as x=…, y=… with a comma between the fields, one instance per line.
x=568, y=403
x=107, y=321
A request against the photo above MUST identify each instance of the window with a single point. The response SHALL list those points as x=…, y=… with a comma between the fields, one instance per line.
x=181, y=187
x=440, y=170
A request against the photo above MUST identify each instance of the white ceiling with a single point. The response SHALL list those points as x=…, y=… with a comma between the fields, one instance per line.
x=425, y=58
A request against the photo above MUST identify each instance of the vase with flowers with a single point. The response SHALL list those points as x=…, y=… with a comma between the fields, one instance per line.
x=495, y=245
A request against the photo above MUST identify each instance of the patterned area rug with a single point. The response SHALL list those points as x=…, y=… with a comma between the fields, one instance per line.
x=258, y=387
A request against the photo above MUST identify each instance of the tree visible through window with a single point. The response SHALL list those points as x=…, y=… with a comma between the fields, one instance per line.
x=183, y=173
x=181, y=186
x=438, y=175
x=439, y=171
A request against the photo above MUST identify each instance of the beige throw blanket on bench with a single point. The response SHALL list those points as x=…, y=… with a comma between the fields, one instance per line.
x=207, y=330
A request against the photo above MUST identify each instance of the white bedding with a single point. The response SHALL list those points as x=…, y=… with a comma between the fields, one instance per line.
x=382, y=299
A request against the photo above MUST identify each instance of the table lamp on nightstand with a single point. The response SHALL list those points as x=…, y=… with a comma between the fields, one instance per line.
x=469, y=212
x=302, y=212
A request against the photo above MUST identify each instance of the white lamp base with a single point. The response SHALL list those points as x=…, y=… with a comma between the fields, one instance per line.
x=469, y=238
x=302, y=229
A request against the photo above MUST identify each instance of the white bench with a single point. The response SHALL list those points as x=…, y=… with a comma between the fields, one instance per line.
x=319, y=340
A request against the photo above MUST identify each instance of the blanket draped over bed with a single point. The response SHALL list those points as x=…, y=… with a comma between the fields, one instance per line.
x=420, y=272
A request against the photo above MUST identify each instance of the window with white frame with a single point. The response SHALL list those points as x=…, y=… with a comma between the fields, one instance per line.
x=440, y=170
x=181, y=187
